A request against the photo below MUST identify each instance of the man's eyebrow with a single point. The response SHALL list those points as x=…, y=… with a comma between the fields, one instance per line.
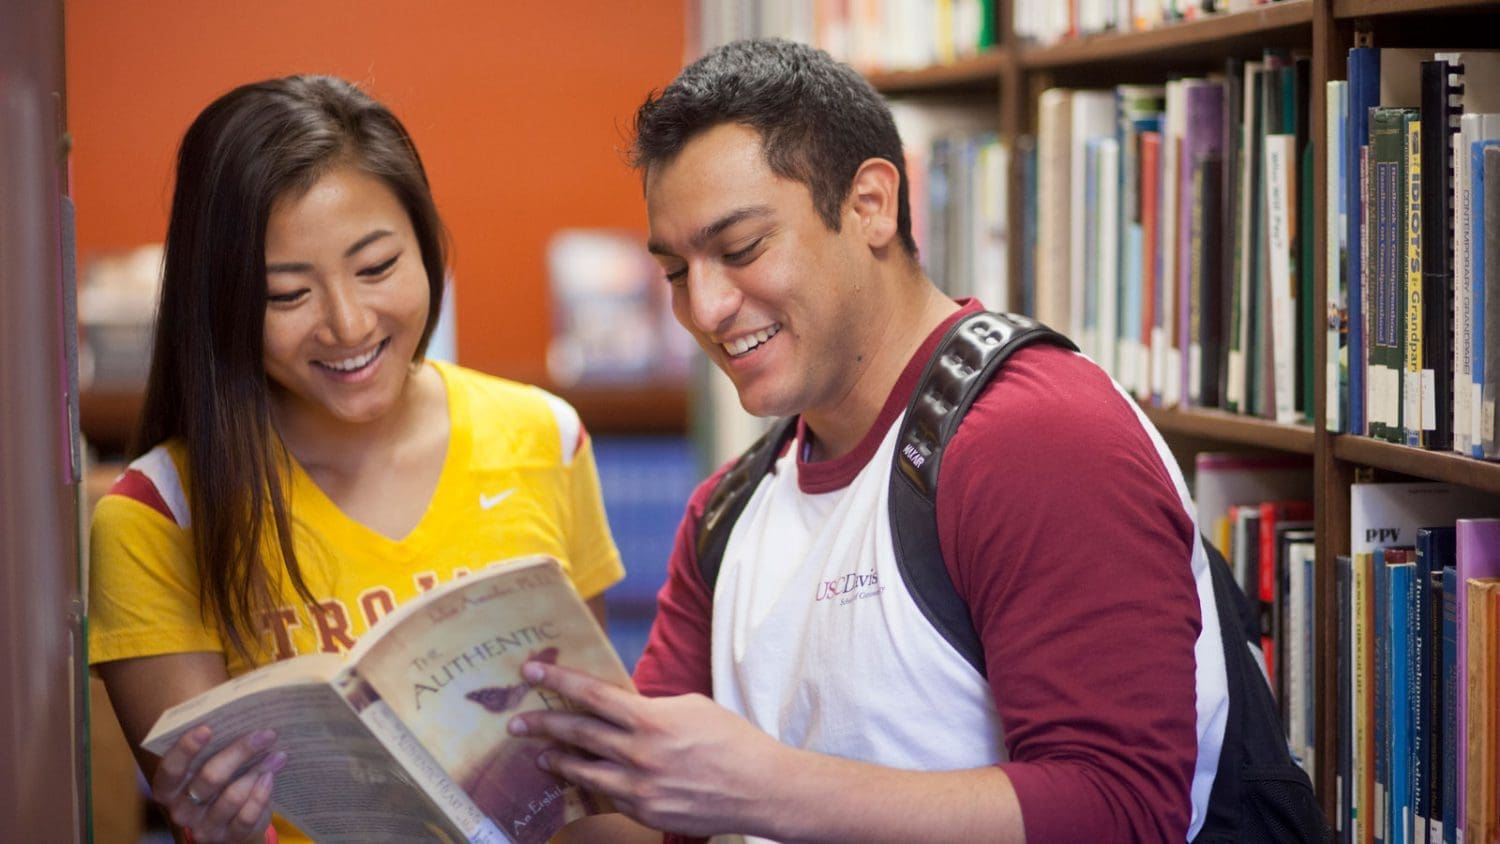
x=712, y=230
x=302, y=267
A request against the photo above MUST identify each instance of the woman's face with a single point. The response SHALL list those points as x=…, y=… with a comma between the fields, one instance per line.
x=347, y=299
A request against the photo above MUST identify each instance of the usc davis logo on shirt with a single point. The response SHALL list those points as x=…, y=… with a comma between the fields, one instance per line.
x=848, y=588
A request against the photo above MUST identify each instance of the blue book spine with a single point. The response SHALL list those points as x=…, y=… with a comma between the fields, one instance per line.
x=1344, y=767
x=1380, y=693
x=1422, y=693
x=1364, y=94
x=1476, y=273
x=1398, y=702
x=1449, y=797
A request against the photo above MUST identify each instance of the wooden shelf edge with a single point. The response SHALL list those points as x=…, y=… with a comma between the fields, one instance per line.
x=1123, y=45
x=979, y=71
x=1232, y=428
x=1434, y=465
x=1377, y=8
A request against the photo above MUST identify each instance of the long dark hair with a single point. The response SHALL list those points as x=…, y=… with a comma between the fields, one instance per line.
x=208, y=384
x=818, y=119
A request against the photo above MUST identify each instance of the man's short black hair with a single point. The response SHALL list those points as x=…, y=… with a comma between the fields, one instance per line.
x=818, y=119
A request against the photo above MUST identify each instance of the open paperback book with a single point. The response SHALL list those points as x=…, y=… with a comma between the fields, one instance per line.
x=404, y=738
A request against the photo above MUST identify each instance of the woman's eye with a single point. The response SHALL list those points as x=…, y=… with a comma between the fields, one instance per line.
x=285, y=298
x=379, y=269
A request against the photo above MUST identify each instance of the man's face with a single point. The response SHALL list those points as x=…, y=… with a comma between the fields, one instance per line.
x=758, y=279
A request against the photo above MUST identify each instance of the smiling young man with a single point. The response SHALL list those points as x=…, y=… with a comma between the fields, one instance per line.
x=804, y=695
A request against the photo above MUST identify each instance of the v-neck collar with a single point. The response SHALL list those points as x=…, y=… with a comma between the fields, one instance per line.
x=312, y=503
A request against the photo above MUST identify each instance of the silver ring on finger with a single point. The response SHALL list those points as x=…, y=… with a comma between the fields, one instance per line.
x=197, y=801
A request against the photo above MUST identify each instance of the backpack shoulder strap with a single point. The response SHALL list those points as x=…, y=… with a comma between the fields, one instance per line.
x=969, y=355
x=733, y=491
x=966, y=358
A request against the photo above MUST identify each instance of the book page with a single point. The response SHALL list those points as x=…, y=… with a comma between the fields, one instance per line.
x=339, y=783
x=449, y=666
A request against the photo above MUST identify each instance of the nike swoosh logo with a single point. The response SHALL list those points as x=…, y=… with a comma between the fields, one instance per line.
x=489, y=502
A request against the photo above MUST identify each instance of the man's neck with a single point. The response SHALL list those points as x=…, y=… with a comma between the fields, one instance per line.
x=915, y=309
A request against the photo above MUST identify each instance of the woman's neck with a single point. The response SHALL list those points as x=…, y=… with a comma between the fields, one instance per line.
x=324, y=444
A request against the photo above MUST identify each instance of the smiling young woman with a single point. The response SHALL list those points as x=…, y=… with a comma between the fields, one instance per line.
x=302, y=468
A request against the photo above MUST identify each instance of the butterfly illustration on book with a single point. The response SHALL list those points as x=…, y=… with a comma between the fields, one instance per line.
x=499, y=699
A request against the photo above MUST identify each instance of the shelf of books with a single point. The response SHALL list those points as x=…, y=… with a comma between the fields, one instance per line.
x=1370, y=8
x=1275, y=224
x=979, y=72
x=1175, y=40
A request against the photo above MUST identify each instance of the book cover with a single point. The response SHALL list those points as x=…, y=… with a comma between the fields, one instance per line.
x=1435, y=550
x=1473, y=85
x=1150, y=262
x=1295, y=637
x=1362, y=711
x=1477, y=555
x=1386, y=255
x=1416, y=412
x=1166, y=354
x=1397, y=588
x=1490, y=384
x=1309, y=312
x=1364, y=94
x=1198, y=229
x=1281, y=276
x=1240, y=371
x=1473, y=128
x=1448, y=748
x=1439, y=128
x=1336, y=319
x=1274, y=517
x=1479, y=747
x=1053, y=197
x=404, y=739
x=1479, y=290
x=1139, y=110
x=1343, y=816
x=1092, y=118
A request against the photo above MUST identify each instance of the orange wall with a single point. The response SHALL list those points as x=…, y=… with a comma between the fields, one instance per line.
x=520, y=109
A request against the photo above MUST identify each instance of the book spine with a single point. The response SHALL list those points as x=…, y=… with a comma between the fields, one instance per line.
x=440, y=789
x=1463, y=297
x=1336, y=366
x=1450, y=708
x=1491, y=383
x=1413, y=412
x=1380, y=721
x=1388, y=166
x=1421, y=685
x=1343, y=816
x=1439, y=128
x=1281, y=276
x=1398, y=701
x=1150, y=247
x=1364, y=94
x=1362, y=711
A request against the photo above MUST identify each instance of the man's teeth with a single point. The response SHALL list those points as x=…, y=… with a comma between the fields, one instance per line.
x=750, y=341
x=357, y=362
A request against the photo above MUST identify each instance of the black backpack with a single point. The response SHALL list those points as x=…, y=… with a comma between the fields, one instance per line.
x=1259, y=792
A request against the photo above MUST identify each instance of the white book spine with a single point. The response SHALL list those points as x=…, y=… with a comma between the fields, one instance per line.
x=1280, y=150
x=1336, y=211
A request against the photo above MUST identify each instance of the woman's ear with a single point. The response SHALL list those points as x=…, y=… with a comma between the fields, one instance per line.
x=873, y=200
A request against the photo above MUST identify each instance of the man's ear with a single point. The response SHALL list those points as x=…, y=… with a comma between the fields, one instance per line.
x=873, y=200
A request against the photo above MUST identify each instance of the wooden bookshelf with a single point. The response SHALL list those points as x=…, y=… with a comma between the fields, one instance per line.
x=1232, y=428
x=1431, y=465
x=1286, y=23
x=1374, y=8
x=980, y=73
x=1323, y=30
